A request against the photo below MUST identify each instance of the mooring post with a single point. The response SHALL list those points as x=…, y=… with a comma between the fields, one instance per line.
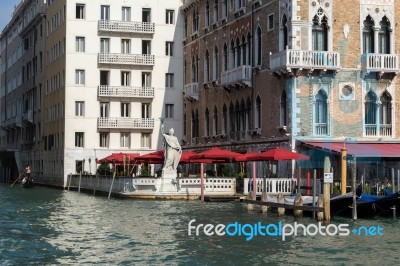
x=80, y=178
x=314, y=190
x=308, y=183
x=69, y=182
x=202, y=182
x=95, y=185
x=112, y=182
x=398, y=180
x=254, y=181
x=298, y=180
x=327, y=192
x=343, y=155
x=393, y=190
x=353, y=188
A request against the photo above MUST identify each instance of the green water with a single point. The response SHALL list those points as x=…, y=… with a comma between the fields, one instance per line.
x=45, y=226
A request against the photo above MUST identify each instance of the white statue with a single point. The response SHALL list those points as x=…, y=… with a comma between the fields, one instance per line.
x=173, y=151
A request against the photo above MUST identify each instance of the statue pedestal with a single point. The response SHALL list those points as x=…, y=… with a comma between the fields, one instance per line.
x=168, y=183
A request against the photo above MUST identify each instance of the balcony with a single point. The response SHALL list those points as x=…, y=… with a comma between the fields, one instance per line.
x=127, y=59
x=192, y=91
x=126, y=26
x=292, y=62
x=381, y=63
x=382, y=130
x=321, y=129
x=126, y=91
x=125, y=122
x=237, y=76
x=12, y=122
x=28, y=116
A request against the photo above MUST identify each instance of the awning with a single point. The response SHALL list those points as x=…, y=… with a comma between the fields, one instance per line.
x=379, y=150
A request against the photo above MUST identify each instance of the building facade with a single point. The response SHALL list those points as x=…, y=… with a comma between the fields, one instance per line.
x=110, y=71
x=292, y=74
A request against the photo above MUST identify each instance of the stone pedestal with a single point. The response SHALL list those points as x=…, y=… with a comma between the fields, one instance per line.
x=168, y=183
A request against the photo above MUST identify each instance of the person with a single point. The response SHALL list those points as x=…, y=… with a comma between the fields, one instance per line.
x=28, y=171
x=172, y=152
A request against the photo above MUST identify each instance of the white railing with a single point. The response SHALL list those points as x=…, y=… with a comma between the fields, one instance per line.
x=274, y=186
x=212, y=185
x=126, y=26
x=321, y=129
x=133, y=59
x=386, y=130
x=124, y=122
x=192, y=91
x=305, y=59
x=126, y=91
x=239, y=74
x=381, y=62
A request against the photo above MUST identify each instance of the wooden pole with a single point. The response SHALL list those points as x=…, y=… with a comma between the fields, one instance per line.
x=308, y=183
x=254, y=181
x=398, y=180
x=343, y=160
x=202, y=182
x=80, y=179
x=69, y=183
x=353, y=188
x=327, y=191
x=393, y=190
x=314, y=189
x=112, y=182
x=95, y=186
x=17, y=178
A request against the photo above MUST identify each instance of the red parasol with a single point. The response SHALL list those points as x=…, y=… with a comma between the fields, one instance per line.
x=118, y=158
x=156, y=157
x=216, y=155
x=277, y=154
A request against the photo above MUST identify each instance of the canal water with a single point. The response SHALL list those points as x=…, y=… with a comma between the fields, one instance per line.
x=46, y=226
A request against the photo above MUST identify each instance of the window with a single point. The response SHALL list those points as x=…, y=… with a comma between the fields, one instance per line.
x=104, y=109
x=146, y=15
x=320, y=32
x=80, y=44
x=146, y=47
x=146, y=79
x=79, y=166
x=216, y=11
x=225, y=58
x=215, y=64
x=80, y=11
x=79, y=139
x=169, y=80
x=79, y=108
x=207, y=67
x=145, y=140
x=104, y=78
x=224, y=8
x=258, y=46
x=195, y=20
x=125, y=78
x=169, y=16
x=105, y=12
x=125, y=140
x=368, y=35
x=224, y=120
x=215, y=121
x=104, y=45
x=125, y=46
x=104, y=138
x=169, y=48
x=271, y=22
x=257, y=124
x=386, y=114
x=126, y=13
x=169, y=111
x=207, y=14
x=124, y=109
x=284, y=32
x=80, y=77
x=283, y=112
x=207, y=123
x=145, y=110
x=384, y=36
x=321, y=113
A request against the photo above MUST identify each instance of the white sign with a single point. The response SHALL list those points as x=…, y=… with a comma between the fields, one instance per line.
x=328, y=177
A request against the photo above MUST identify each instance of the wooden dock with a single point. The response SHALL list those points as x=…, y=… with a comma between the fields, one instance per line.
x=284, y=205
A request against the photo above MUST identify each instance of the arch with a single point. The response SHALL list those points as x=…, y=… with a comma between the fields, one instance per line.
x=386, y=109
x=258, y=46
x=368, y=35
x=370, y=108
x=384, y=36
x=320, y=31
x=321, y=113
x=284, y=32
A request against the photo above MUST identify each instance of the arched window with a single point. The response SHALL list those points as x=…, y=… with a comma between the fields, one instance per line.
x=232, y=56
x=244, y=50
x=248, y=114
x=249, y=50
x=258, y=46
x=370, y=108
x=193, y=125
x=224, y=120
x=231, y=118
x=225, y=56
x=207, y=67
x=215, y=64
x=207, y=14
x=321, y=113
x=197, y=124
x=237, y=116
x=207, y=123
x=215, y=120
x=368, y=35
x=384, y=36
x=283, y=110
x=216, y=17
x=284, y=32
x=386, y=109
x=238, y=52
x=257, y=115
x=242, y=115
x=194, y=71
x=320, y=32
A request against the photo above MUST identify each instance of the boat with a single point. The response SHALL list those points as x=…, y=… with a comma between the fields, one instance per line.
x=27, y=182
x=341, y=204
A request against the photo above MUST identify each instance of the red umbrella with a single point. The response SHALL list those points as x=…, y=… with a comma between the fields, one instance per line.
x=277, y=154
x=156, y=157
x=118, y=158
x=186, y=155
x=245, y=157
x=216, y=155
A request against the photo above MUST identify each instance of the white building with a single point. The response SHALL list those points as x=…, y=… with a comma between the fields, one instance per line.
x=112, y=69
